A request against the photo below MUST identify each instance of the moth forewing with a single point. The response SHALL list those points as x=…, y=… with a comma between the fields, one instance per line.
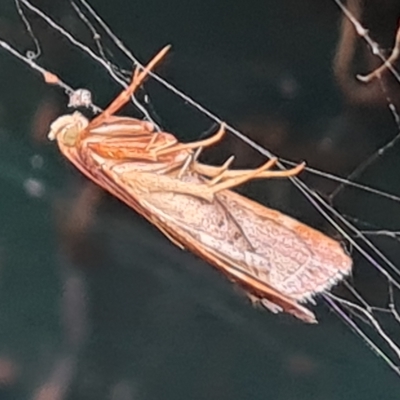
x=302, y=260
x=273, y=256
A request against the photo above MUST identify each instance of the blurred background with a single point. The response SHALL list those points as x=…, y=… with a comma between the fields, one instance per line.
x=95, y=303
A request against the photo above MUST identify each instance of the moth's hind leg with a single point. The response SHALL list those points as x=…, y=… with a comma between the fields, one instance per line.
x=221, y=173
x=230, y=178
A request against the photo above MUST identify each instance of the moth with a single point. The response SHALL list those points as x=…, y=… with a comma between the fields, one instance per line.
x=279, y=261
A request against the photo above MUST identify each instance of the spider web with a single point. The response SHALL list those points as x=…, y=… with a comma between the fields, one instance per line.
x=373, y=318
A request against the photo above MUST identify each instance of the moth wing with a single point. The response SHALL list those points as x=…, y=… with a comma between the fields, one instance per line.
x=208, y=230
x=305, y=261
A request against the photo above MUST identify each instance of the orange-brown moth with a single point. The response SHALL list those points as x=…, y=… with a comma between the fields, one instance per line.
x=279, y=261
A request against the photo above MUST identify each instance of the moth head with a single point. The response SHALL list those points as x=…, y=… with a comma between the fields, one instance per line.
x=67, y=128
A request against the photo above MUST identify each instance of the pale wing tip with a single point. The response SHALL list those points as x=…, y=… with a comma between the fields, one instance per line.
x=303, y=314
x=296, y=310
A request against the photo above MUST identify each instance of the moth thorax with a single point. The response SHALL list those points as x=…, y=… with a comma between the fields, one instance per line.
x=67, y=128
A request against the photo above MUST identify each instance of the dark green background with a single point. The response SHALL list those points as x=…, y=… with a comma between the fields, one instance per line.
x=134, y=316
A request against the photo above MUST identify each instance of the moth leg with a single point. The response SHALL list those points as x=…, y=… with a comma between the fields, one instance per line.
x=208, y=190
x=194, y=145
x=213, y=172
x=125, y=95
x=224, y=173
x=269, y=305
x=189, y=161
x=254, y=300
x=221, y=171
x=152, y=141
x=158, y=148
x=257, y=301
x=261, y=172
